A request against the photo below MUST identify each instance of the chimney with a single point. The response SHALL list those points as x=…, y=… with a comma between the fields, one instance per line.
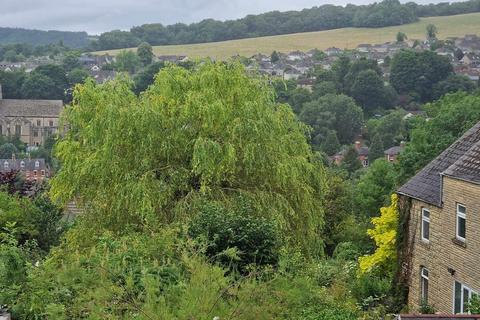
x=1, y=96
x=357, y=145
x=13, y=156
x=402, y=144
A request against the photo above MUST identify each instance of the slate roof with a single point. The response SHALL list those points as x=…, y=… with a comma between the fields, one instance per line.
x=7, y=165
x=363, y=151
x=393, y=151
x=460, y=160
x=30, y=108
x=467, y=167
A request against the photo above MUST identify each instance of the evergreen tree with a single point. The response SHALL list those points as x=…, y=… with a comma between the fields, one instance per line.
x=376, y=148
x=331, y=144
x=145, y=53
x=350, y=160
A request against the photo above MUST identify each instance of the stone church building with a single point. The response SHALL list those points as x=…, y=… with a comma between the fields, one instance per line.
x=33, y=121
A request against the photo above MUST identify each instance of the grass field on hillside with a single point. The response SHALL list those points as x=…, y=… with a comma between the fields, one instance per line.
x=349, y=38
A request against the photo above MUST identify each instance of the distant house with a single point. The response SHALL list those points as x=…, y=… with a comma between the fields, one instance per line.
x=33, y=169
x=442, y=235
x=391, y=154
x=307, y=83
x=291, y=73
x=172, y=58
x=365, y=47
x=296, y=56
x=362, y=152
x=332, y=51
x=33, y=121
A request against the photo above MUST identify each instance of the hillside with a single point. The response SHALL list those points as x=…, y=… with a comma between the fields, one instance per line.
x=39, y=37
x=448, y=26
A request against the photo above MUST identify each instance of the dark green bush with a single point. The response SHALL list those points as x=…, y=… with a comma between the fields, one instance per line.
x=255, y=239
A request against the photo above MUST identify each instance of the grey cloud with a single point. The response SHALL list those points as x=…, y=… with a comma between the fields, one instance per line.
x=95, y=16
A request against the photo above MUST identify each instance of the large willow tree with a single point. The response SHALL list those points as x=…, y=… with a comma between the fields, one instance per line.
x=209, y=134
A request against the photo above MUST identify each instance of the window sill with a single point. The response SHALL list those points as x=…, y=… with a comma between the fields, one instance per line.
x=425, y=243
x=459, y=242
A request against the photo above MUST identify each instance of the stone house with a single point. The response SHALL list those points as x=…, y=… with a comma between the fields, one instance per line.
x=391, y=154
x=33, y=121
x=32, y=169
x=443, y=228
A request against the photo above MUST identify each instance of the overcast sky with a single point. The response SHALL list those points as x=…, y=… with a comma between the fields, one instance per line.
x=96, y=16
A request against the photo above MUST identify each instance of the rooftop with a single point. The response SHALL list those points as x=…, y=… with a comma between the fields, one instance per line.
x=30, y=108
x=460, y=161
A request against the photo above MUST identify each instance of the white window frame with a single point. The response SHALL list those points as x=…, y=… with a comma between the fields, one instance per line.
x=460, y=215
x=6, y=164
x=22, y=164
x=37, y=164
x=424, y=277
x=425, y=220
x=462, y=298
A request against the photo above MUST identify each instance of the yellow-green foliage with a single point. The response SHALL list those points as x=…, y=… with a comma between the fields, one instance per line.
x=212, y=133
x=384, y=234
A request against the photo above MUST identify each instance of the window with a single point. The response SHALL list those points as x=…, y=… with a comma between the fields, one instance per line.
x=22, y=164
x=425, y=225
x=424, y=285
x=50, y=123
x=35, y=132
x=461, y=222
x=34, y=173
x=5, y=164
x=43, y=173
x=37, y=164
x=18, y=130
x=39, y=123
x=462, y=296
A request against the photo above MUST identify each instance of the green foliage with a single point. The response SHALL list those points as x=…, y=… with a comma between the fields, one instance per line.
x=391, y=129
x=145, y=53
x=71, y=61
x=146, y=77
x=449, y=117
x=12, y=84
x=331, y=144
x=453, y=83
x=384, y=234
x=77, y=75
x=376, y=148
x=474, y=304
x=415, y=73
x=38, y=86
x=431, y=31
x=401, y=37
x=126, y=61
x=255, y=240
x=208, y=134
x=370, y=92
x=374, y=187
x=274, y=57
x=332, y=112
x=7, y=150
x=350, y=161
x=426, y=308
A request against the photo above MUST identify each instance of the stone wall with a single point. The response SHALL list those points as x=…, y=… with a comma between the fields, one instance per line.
x=447, y=259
